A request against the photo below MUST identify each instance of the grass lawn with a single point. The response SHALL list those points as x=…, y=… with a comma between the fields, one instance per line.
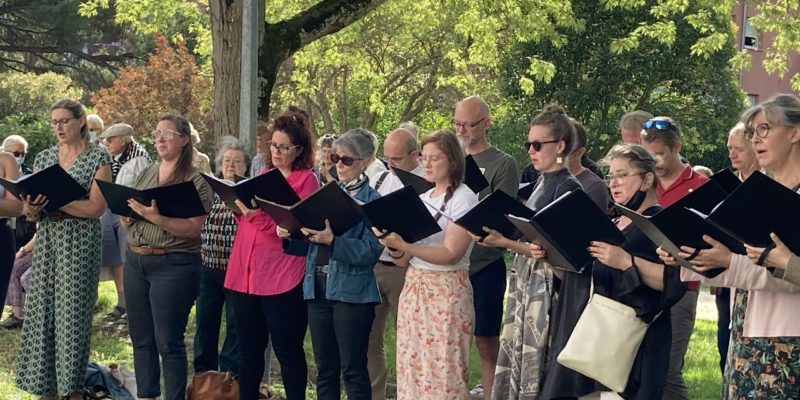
x=110, y=343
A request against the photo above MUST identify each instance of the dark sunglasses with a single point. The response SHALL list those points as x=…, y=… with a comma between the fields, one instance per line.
x=658, y=124
x=537, y=145
x=18, y=153
x=346, y=160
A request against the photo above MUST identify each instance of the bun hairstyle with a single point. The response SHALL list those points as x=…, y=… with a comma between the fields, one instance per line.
x=296, y=126
x=561, y=127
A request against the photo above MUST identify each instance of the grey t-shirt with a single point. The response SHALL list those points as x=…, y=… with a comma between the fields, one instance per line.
x=595, y=188
x=500, y=171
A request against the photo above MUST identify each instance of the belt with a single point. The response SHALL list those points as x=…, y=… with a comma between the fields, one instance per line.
x=387, y=263
x=322, y=269
x=147, y=250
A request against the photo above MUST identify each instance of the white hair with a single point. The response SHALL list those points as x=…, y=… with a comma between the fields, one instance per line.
x=15, y=139
x=97, y=120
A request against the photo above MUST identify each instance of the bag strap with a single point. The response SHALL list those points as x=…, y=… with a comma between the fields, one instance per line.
x=383, y=176
x=591, y=293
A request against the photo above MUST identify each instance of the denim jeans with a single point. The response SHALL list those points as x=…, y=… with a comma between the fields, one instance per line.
x=340, y=337
x=283, y=319
x=208, y=315
x=160, y=291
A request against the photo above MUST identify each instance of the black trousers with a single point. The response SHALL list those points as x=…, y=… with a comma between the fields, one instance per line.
x=7, y=253
x=284, y=319
x=723, y=300
x=340, y=337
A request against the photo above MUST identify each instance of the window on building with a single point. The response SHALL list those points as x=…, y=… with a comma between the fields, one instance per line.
x=750, y=38
x=752, y=99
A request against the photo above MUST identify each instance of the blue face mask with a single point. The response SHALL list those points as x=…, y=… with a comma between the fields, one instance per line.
x=92, y=136
x=20, y=160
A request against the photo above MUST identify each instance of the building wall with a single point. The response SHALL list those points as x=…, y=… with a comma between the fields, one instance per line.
x=756, y=82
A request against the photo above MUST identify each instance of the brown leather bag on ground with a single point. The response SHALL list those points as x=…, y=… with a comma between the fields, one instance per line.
x=213, y=385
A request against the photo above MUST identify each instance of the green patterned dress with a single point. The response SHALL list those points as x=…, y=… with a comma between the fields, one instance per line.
x=765, y=368
x=63, y=289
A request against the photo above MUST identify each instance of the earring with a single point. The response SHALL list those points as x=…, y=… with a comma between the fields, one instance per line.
x=559, y=160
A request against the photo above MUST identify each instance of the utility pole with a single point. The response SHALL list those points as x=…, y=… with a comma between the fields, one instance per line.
x=252, y=30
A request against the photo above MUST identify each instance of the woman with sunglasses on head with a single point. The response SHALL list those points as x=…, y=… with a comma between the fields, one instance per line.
x=66, y=264
x=162, y=266
x=764, y=354
x=551, y=137
x=339, y=283
x=266, y=281
x=630, y=274
x=436, y=314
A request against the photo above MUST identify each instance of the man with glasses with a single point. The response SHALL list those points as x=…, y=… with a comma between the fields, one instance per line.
x=661, y=137
x=399, y=151
x=487, y=268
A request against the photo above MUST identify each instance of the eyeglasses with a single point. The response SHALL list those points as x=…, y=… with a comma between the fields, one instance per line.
x=346, y=160
x=18, y=153
x=762, y=130
x=659, y=124
x=537, y=145
x=466, y=125
x=281, y=148
x=433, y=158
x=63, y=121
x=619, y=178
x=167, y=134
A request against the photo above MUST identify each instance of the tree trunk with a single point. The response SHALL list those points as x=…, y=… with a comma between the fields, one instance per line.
x=226, y=31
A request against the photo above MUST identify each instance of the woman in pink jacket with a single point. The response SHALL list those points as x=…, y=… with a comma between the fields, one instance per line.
x=764, y=356
x=266, y=282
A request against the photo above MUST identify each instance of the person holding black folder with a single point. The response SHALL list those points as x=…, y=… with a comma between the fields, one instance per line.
x=631, y=274
x=764, y=353
x=550, y=139
x=339, y=283
x=162, y=266
x=66, y=263
x=266, y=281
x=436, y=314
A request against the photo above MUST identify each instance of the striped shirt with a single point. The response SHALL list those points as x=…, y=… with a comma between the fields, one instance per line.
x=144, y=233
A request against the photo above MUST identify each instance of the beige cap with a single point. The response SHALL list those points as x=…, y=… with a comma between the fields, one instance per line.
x=117, y=130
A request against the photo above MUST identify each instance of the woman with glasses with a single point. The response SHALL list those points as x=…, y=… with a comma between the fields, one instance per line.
x=265, y=281
x=325, y=169
x=66, y=264
x=339, y=283
x=436, y=313
x=162, y=266
x=764, y=354
x=551, y=137
x=630, y=274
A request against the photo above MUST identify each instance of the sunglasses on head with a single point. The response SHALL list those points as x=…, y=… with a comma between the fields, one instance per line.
x=659, y=124
x=537, y=145
x=346, y=160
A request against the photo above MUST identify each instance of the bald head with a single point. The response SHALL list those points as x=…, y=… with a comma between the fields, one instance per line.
x=400, y=149
x=471, y=120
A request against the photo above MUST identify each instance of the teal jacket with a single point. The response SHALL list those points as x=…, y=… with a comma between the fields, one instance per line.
x=351, y=276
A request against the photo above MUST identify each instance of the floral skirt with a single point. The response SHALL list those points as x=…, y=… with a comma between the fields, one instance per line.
x=759, y=367
x=434, y=330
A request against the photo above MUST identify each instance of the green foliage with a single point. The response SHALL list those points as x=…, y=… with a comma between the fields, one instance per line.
x=665, y=75
x=33, y=93
x=34, y=127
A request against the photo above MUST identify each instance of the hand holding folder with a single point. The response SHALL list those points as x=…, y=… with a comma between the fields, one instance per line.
x=271, y=186
x=329, y=202
x=565, y=227
x=180, y=200
x=52, y=182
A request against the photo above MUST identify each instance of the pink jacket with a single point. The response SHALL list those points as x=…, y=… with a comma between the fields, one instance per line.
x=771, y=304
x=258, y=264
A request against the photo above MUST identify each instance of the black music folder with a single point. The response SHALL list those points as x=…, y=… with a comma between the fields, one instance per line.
x=525, y=190
x=565, y=227
x=328, y=202
x=491, y=212
x=53, y=182
x=759, y=206
x=473, y=176
x=674, y=227
x=180, y=200
x=403, y=213
x=420, y=184
x=271, y=186
x=711, y=193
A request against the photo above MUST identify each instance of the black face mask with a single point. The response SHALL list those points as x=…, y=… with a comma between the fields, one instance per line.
x=636, y=200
